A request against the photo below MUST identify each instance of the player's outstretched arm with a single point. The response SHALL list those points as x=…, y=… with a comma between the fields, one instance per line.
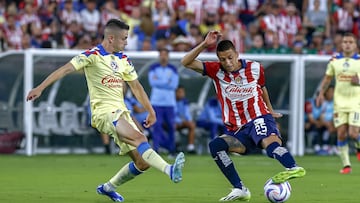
x=139, y=93
x=54, y=76
x=323, y=87
x=190, y=61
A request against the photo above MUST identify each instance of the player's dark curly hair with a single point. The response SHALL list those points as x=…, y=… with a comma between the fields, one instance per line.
x=115, y=23
x=225, y=45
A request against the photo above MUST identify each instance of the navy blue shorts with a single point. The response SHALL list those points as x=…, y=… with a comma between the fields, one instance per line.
x=251, y=134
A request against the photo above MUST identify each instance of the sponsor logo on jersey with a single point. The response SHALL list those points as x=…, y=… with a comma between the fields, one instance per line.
x=112, y=81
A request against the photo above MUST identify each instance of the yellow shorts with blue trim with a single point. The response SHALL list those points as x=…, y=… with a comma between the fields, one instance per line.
x=105, y=124
x=350, y=118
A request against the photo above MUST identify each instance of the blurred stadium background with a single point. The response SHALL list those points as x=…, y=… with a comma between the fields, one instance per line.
x=56, y=122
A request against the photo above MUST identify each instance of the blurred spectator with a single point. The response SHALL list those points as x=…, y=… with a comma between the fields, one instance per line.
x=313, y=125
x=127, y=6
x=344, y=16
x=235, y=31
x=184, y=119
x=328, y=47
x=253, y=29
x=72, y=35
x=12, y=33
x=84, y=42
x=181, y=44
x=230, y=6
x=326, y=118
x=317, y=19
x=324, y=5
x=146, y=44
x=317, y=41
x=181, y=25
x=133, y=20
x=2, y=11
x=250, y=9
x=293, y=23
x=298, y=47
x=48, y=12
x=162, y=19
x=26, y=41
x=163, y=79
x=146, y=29
x=29, y=17
x=337, y=40
x=210, y=118
x=276, y=47
x=36, y=36
x=211, y=5
x=90, y=18
x=274, y=24
x=257, y=45
x=210, y=22
x=108, y=11
x=68, y=15
x=196, y=6
x=194, y=35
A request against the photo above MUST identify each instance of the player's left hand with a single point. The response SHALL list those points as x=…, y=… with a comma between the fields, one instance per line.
x=276, y=114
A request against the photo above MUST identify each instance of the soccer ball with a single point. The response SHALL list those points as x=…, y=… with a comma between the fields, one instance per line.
x=277, y=192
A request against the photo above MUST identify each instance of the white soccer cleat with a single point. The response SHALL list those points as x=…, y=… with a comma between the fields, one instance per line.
x=237, y=194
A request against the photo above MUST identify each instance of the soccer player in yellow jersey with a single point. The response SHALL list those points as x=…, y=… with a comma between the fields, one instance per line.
x=106, y=68
x=345, y=68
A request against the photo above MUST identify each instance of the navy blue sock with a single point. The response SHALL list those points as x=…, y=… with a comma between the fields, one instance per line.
x=218, y=148
x=275, y=151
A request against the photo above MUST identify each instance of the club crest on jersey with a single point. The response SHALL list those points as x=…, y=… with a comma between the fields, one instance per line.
x=114, y=66
x=238, y=80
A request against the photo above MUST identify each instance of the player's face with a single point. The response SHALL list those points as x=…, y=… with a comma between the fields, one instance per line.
x=229, y=60
x=120, y=41
x=348, y=44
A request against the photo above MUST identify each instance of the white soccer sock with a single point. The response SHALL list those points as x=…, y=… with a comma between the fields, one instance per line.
x=155, y=160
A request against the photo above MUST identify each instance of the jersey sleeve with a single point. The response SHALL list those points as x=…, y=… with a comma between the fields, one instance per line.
x=130, y=72
x=330, y=68
x=211, y=68
x=261, y=80
x=80, y=61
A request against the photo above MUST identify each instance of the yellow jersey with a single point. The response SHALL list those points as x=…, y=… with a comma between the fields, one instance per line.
x=346, y=95
x=105, y=75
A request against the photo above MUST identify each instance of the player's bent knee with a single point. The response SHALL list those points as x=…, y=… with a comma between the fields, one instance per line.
x=216, y=145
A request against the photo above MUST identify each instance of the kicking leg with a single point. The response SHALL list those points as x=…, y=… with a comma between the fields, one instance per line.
x=274, y=150
x=129, y=135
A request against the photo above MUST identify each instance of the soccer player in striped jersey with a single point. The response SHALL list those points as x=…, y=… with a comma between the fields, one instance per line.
x=345, y=68
x=106, y=68
x=247, y=113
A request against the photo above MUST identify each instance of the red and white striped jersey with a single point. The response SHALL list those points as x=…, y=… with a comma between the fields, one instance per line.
x=239, y=92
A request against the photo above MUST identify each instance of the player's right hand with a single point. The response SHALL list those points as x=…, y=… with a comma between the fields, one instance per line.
x=212, y=37
x=33, y=94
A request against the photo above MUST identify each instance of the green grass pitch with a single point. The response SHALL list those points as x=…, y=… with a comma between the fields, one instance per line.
x=74, y=178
